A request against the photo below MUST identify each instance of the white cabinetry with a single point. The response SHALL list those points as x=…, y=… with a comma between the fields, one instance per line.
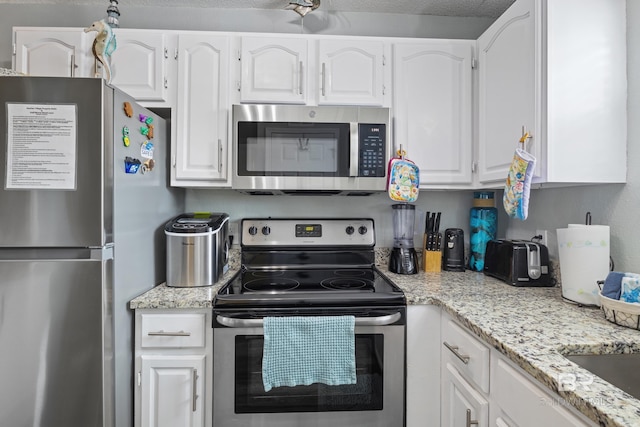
x=173, y=351
x=432, y=100
x=351, y=72
x=140, y=64
x=56, y=52
x=465, y=377
x=312, y=71
x=201, y=155
x=274, y=70
x=562, y=76
x=481, y=385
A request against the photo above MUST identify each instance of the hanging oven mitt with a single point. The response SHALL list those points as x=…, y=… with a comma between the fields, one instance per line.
x=404, y=180
x=518, y=185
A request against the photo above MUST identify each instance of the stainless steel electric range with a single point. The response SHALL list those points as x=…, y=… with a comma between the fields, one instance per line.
x=309, y=267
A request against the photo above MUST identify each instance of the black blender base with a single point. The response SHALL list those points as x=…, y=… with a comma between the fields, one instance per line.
x=403, y=261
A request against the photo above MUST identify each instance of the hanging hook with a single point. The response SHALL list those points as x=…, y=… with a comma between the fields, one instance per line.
x=525, y=135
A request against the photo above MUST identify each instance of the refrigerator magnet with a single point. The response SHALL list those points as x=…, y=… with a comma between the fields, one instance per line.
x=128, y=109
x=146, y=150
x=145, y=119
x=148, y=166
x=150, y=132
x=131, y=165
x=125, y=136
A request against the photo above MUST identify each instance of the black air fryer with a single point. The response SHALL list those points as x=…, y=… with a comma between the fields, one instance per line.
x=453, y=253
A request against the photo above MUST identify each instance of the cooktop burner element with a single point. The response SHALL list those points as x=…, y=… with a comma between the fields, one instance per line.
x=291, y=263
x=270, y=285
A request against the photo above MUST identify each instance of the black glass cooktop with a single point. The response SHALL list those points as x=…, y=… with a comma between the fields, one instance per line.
x=317, y=287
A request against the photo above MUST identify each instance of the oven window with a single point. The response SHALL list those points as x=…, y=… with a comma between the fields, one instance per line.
x=293, y=149
x=365, y=395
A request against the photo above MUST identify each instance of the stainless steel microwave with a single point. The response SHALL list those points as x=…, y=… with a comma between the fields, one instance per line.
x=295, y=149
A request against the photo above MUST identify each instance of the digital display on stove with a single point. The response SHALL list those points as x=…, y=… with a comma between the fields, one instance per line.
x=308, y=230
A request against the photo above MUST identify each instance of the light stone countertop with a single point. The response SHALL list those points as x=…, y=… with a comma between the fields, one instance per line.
x=533, y=327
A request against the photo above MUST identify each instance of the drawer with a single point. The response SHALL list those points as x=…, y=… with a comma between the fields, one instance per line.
x=173, y=330
x=526, y=403
x=466, y=352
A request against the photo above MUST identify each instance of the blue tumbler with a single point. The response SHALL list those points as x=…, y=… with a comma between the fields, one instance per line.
x=483, y=221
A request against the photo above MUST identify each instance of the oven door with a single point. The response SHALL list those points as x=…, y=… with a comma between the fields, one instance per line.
x=376, y=400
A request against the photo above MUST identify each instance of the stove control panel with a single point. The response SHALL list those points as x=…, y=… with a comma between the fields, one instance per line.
x=307, y=232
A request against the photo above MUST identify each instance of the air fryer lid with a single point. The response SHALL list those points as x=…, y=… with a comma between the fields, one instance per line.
x=196, y=222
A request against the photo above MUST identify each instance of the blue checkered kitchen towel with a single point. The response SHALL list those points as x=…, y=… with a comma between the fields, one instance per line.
x=306, y=350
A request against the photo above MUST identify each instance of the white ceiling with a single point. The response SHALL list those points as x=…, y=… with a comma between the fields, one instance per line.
x=462, y=8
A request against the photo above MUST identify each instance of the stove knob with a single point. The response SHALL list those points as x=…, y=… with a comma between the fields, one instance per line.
x=350, y=230
x=266, y=230
x=362, y=229
x=253, y=230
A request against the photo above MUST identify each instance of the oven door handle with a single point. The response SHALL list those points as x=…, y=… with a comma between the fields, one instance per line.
x=232, y=322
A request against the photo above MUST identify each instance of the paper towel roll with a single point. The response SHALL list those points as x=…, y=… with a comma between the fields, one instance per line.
x=584, y=259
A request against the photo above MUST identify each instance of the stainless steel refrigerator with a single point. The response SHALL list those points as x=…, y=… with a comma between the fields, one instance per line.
x=79, y=238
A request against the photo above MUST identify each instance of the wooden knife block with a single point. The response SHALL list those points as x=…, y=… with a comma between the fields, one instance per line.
x=432, y=261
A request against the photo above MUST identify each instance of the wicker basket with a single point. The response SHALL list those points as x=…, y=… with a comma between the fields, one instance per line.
x=620, y=312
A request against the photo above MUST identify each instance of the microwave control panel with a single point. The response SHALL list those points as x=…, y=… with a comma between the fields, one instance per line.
x=372, y=161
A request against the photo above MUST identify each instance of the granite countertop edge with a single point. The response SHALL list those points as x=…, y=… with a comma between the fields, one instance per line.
x=521, y=323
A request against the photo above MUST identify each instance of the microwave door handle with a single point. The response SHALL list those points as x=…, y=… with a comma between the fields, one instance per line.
x=355, y=150
x=259, y=323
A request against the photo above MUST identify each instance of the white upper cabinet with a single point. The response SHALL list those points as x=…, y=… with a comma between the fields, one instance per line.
x=138, y=65
x=274, y=70
x=560, y=75
x=55, y=52
x=432, y=104
x=351, y=72
x=312, y=70
x=200, y=149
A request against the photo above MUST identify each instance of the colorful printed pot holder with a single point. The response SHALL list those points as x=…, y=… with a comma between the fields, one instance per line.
x=518, y=185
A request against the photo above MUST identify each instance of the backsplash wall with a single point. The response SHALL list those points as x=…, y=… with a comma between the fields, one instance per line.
x=453, y=205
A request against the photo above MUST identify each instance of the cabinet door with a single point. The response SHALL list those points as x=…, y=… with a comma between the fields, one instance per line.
x=202, y=113
x=433, y=108
x=509, y=88
x=172, y=391
x=461, y=404
x=274, y=70
x=138, y=64
x=54, y=52
x=351, y=73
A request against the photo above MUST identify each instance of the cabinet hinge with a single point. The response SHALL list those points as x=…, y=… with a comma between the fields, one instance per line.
x=14, y=49
x=239, y=55
x=175, y=54
x=384, y=60
x=238, y=85
x=139, y=379
x=173, y=161
x=166, y=53
x=474, y=167
x=384, y=90
x=474, y=63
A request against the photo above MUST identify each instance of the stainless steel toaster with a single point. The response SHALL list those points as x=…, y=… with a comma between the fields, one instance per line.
x=518, y=262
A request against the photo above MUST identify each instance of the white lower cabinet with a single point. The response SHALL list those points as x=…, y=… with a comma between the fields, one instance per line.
x=173, y=365
x=462, y=405
x=481, y=387
x=172, y=391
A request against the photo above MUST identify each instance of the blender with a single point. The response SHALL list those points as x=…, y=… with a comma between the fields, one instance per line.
x=404, y=259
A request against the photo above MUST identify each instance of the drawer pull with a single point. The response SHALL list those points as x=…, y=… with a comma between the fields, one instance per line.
x=454, y=350
x=194, y=391
x=169, y=334
x=471, y=422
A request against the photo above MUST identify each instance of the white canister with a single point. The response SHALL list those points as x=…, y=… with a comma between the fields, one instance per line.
x=584, y=260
